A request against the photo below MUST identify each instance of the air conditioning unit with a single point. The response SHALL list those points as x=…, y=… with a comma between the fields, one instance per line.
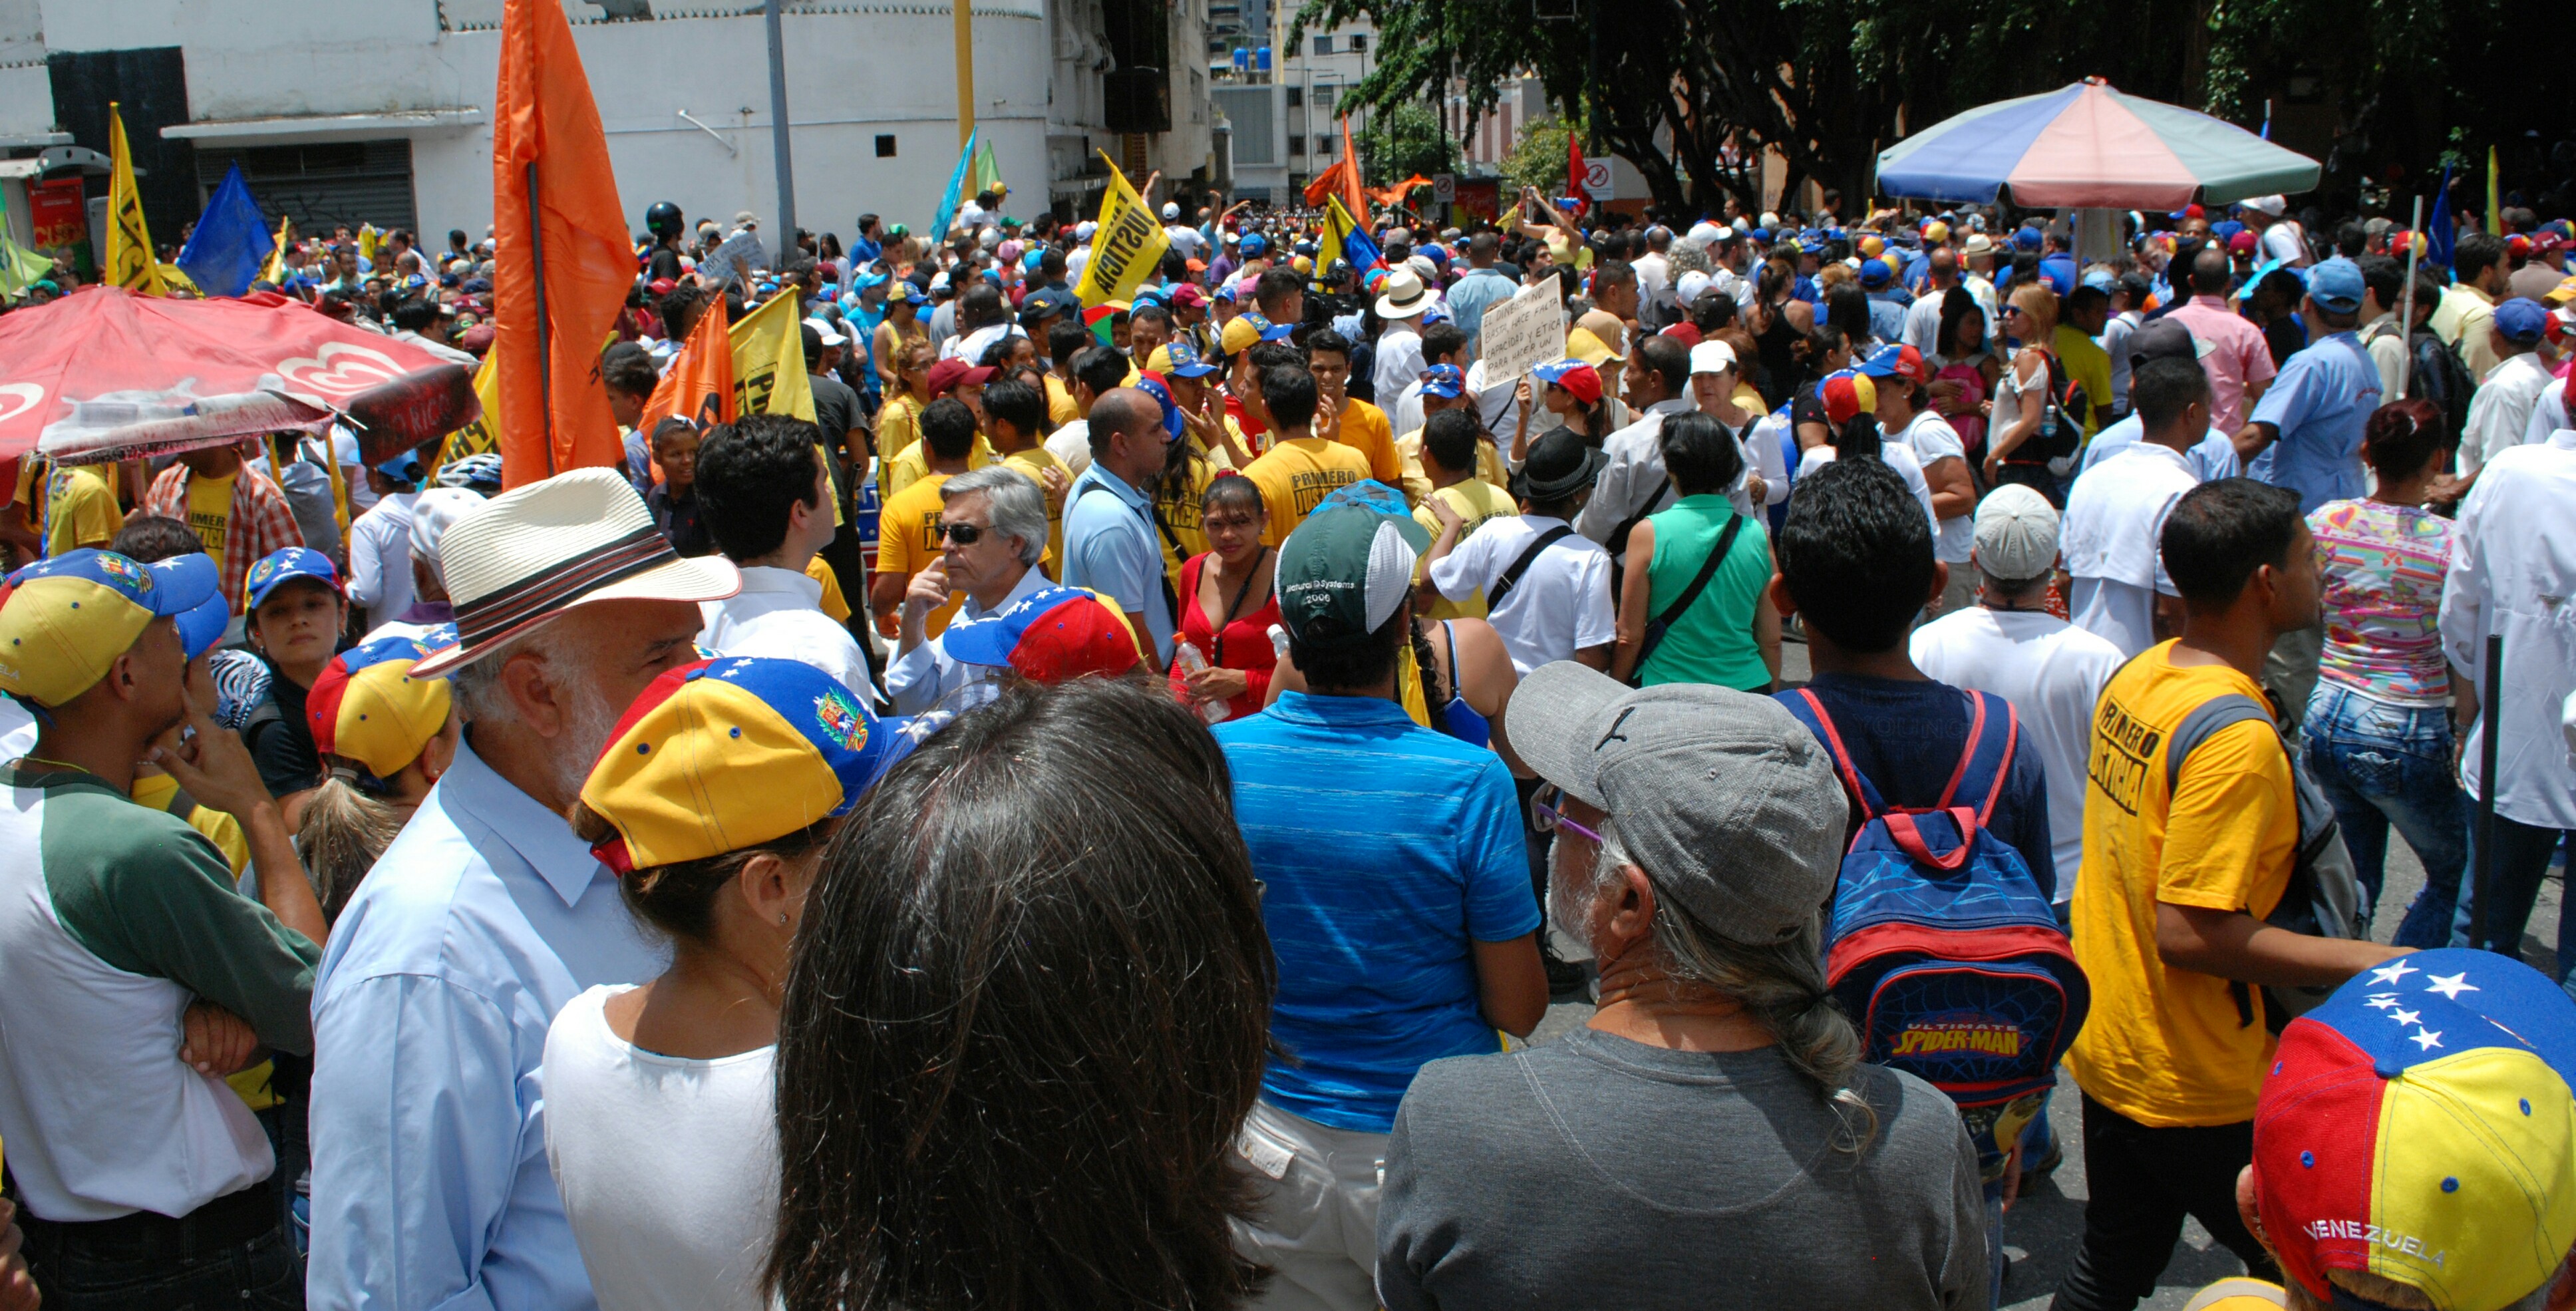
x=1137, y=100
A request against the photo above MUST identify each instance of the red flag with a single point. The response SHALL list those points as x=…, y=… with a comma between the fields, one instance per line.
x=1327, y=183
x=549, y=154
x=1574, y=171
x=1353, y=195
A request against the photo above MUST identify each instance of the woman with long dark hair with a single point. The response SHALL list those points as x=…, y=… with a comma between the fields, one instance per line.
x=1025, y=1023
x=1227, y=606
x=1964, y=370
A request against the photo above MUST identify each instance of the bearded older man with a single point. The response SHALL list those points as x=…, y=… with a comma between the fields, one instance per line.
x=430, y=1183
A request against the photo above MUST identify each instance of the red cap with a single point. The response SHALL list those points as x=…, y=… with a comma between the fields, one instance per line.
x=1846, y=396
x=2518, y=246
x=1909, y=362
x=950, y=374
x=2241, y=244
x=661, y=286
x=1685, y=333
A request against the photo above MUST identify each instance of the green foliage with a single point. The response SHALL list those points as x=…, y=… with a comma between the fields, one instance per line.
x=1539, y=160
x=1401, y=140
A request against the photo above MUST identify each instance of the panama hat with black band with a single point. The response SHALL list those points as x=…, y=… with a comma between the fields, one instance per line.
x=579, y=538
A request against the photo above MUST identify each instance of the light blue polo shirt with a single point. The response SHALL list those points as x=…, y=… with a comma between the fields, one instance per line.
x=1387, y=850
x=2320, y=403
x=1111, y=547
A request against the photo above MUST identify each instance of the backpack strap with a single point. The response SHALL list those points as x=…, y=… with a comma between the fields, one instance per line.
x=2204, y=722
x=1986, y=759
x=1529, y=555
x=1811, y=712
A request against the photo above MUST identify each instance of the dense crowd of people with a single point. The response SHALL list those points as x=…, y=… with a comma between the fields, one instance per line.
x=1090, y=806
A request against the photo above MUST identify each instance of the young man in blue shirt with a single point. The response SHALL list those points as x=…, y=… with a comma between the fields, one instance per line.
x=1397, y=896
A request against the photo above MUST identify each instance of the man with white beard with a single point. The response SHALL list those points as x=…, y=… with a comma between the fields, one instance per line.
x=430, y=1185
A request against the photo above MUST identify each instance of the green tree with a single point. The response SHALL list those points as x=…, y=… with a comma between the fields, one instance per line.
x=1539, y=160
x=1401, y=140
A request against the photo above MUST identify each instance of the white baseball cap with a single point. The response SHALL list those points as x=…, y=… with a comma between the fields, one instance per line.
x=1171, y=210
x=1712, y=356
x=2016, y=534
x=825, y=332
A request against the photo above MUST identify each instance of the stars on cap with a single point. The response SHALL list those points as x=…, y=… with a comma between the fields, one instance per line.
x=2392, y=972
x=2426, y=1039
x=2381, y=1001
x=2450, y=986
x=2406, y=1016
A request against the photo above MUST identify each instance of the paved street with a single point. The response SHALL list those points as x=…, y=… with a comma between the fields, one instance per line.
x=2042, y=1231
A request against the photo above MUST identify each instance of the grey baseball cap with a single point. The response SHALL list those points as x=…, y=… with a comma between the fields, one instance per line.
x=1723, y=798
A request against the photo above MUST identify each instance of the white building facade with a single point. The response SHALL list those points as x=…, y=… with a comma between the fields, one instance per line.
x=381, y=110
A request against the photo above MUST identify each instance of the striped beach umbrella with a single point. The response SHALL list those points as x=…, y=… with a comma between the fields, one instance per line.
x=2089, y=146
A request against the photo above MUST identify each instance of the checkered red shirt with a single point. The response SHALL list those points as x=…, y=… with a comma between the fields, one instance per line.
x=260, y=521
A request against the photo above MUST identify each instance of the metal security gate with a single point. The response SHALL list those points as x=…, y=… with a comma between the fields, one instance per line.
x=322, y=185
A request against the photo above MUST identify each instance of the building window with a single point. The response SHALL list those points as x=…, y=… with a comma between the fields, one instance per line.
x=1296, y=143
x=1323, y=100
x=885, y=145
x=1198, y=96
x=1323, y=45
x=1296, y=97
x=1359, y=42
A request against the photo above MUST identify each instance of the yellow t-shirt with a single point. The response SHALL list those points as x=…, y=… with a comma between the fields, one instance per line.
x=1417, y=484
x=1177, y=507
x=833, y=603
x=1364, y=428
x=898, y=427
x=906, y=469
x=1294, y=476
x=1478, y=503
x=908, y=540
x=1033, y=462
x=1061, y=407
x=80, y=507
x=2089, y=364
x=210, y=512
x=2167, y=1047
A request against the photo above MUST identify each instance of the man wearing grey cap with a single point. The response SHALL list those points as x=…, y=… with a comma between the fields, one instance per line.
x=1711, y=1137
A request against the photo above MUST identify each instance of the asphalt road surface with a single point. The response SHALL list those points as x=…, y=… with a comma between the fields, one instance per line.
x=2044, y=1228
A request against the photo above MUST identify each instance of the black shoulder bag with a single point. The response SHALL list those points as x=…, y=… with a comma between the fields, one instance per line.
x=1662, y=623
x=1502, y=586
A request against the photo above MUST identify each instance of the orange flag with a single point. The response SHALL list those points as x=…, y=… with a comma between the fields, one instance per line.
x=699, y=384
x=550, y=164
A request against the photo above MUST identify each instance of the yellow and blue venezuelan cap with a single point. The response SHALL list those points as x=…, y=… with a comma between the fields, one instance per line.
x=733, y=752
x=68, y=616
x=1052, y=635
x=2420, y=1126
x=366, y=706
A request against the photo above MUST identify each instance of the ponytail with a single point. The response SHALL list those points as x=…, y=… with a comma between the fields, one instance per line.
x=1858, y=439
x=342, y=833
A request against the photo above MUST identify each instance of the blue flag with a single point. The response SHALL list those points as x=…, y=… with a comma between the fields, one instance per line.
x=231, y=241
x=938, y=233
x=2438, y=228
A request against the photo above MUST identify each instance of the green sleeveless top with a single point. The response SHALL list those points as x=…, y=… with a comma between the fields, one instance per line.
x=1713, y=641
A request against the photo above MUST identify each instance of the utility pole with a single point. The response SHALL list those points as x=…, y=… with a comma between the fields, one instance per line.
x=778, y=140
x=965, y=70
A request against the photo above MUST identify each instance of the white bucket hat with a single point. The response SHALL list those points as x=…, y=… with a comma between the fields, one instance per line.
x=1405, y=296
x=575, y=539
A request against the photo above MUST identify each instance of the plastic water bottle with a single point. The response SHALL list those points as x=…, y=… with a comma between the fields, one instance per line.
x=1189, y=661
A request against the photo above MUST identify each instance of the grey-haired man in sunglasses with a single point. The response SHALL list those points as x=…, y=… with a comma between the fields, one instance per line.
x=992, y=533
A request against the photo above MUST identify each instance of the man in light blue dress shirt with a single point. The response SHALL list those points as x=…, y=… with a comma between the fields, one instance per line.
x=1111, y=544
x=430, y=1183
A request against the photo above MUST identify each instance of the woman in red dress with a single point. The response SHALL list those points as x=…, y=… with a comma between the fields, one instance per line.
x=1227, y=606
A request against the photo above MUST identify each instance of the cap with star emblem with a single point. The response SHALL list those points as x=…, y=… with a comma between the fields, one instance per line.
x=2420, y=1126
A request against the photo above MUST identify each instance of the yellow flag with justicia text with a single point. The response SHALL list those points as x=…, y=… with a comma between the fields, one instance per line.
x=130, y=261
x=1126, y=249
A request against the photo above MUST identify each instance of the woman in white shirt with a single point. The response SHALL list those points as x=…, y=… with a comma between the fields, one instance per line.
x=713, y=803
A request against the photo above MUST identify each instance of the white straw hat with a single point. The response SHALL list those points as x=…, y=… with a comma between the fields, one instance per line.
x=1405, y=296
x=575, y=539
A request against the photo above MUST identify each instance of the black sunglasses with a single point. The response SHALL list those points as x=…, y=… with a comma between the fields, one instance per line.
x=964, y=534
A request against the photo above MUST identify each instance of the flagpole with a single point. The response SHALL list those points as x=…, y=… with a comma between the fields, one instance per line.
x=545, y=357
x=778, y=141
x=2406, y=303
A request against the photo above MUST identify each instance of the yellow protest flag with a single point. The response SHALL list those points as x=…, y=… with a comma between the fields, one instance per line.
x=275, y=272
x=130, y=261
x=769, y=361
x=1126, y=249
x=483, y=436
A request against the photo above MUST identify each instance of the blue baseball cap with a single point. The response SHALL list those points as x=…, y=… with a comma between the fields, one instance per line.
x=402, y=468
x=1182, y=354
x=68, y=617
x=1254, y=244
x=1225, y=290
x=2336, y=285
x=283, y=565
x=1444, y=381
x=1161, y=391
x=1278, y=331
x=2522, y=320
x=2025, y=238
x=202, y=627
x=913, y=294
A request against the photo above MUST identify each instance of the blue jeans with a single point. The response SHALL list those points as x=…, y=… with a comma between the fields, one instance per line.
x=2383, y=764
x=2522, y=857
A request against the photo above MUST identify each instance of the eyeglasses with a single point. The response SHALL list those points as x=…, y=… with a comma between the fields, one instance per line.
x=964, y=534
x=1549, y=818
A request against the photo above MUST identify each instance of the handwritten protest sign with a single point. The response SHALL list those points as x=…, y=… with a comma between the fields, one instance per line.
x=1526, y=331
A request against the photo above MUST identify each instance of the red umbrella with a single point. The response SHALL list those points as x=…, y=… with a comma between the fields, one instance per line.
x=109, y=374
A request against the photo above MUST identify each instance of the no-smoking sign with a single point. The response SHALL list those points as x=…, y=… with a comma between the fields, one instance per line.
x=1596, y=179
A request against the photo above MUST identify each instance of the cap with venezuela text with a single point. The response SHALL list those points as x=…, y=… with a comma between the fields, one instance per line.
x=70, y=616
x=733, y=752
x=2419, y=1126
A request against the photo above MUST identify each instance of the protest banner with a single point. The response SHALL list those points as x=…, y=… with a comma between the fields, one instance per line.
x=734, y=260
x=129, y=241
x=1526, y=331
x=1126, y=249
x=769, y=362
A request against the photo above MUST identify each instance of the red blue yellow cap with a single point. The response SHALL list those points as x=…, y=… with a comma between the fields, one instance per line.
x=284, y=565
x=366, y=706
x=2420, y=1126
x=1847, y=395
x=69, y=616
x=730, y=753
x=1050, y=635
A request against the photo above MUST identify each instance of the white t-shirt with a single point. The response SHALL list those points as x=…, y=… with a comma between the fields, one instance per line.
x=1932, y=439
x=2284, y=241
x=779, y=614
x=1898, y=456
x=2114, y=522
x=1070, y=444
x=2052, y=672
x=1561, y=604
x=668, y=1167
x=1184, y=239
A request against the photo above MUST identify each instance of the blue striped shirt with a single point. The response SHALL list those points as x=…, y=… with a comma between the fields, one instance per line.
x=1388, y=850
